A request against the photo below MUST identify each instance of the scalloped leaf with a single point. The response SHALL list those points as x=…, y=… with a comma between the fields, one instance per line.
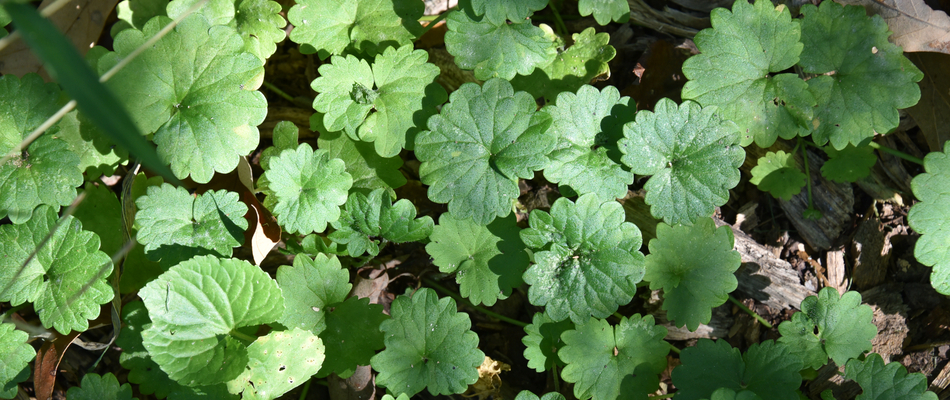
x=848, y=164
x=542, y=342
x=309, y=286
x=146, y=373
x=581, y=157
x=135, y=13
x=368, y=217
x=488, y=260
x=843, y=324
x=766, y=369
x=863, y=79
x=435, y=339
x=778, y=174
x=589, y=261
x=285, y=137
x=98, y=155
x=101, y=213
x=175, y=226
x=500, y=11
x=497, y=50
x=695, y=266
x=261, y=24
x=194, y=308
x=279, y=362
x=929, y=217
x=47, y=171
x=527, y=395
x=382, y=103
x=369, y=170
x=96, y=387
x=572, y=68
x=330, y=27
x=65, y=280
x=16, y=354
x=483, y=140
x=692, y=154
x=352, y=336
x=732, y=72
x=305, y=189
x=203, y=108
x=881, y=381
x=605, y=10
x=600, y=358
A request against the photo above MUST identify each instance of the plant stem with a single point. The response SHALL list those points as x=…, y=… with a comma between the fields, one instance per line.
x=673, y=348
x=557, y=379
x=306, y=388
x=242, y=336
x=434, y=21
x=811, y=203
x=561, y=28
x=750, y=312
x=664, y=396
x=277, y=90
x=898, y=153
x=459, y=299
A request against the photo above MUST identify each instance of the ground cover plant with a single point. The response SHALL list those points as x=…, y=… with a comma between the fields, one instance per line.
x=173, y=259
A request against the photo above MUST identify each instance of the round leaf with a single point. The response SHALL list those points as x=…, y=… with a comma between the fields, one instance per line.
x=778, y=174
x=844, y=328
x=309, y=286
x=929, y=218
x=435, y=340
x=695, y=266
x=330, y=27
x=605, y=10
x=306, y=189
x=479, y=145
x=96, y=387
x=849, y=164
x=497, y=49
x=766, y=369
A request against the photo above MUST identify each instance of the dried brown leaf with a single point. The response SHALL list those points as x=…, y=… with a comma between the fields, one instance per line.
x=916, y=26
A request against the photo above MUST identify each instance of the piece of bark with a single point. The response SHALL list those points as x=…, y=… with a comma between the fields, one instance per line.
x=835, y=200
x=941, y=382
x=836, y=270
x=871, y=249
x=764, y=277
x=890, y=318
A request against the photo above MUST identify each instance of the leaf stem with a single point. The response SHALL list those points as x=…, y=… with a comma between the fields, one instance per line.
x=306, y=388
x=894, y=152
x=242, y=336
x=562, y=29
x=663, y=396
x=435, y=21
x=673, y=348
x=462, y=300
x=750, y=312
x=277, y=91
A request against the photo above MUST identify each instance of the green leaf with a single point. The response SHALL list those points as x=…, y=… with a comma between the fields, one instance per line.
x=778, y=174
x=729, y=394
x=849, y=164
x=98, y=156
x=766, y=369
x=46, y=172
x=135, y=13
x=732, y=72
x=692, y=153
x=285, y=137
x=542, y=342
x=367, y=217
x=843, y=324
x=306, y=189
x=94, y=99
x=330, y=27
x=261, y=24
x=580, y=159
x=929, y=218
x=16, y=354
x=202, y=108
x=279, y=362
x=497, y=50
x=368, y=169
x=527, y=395
x=96, y=387
x=217, y=12
x=144, y=372
x=483, y=140
x=194, y=308
x=500, y=11
x=61, y=280
x=572, y=68
x=695, y=266
x=590, y=263
x=601, y=357
x=605, y=10
x=309, y=286
x=863, y=79
x=887, y=381
x=434, y=339
x=488, y=259
x=144, y=270
x=101, y=213
x=380, y=104
x=175, y=226
x=352, y=335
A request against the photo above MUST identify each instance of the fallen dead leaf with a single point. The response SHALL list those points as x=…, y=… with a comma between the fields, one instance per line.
x=932, y=112
x=916, y=26
x=489, y=380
